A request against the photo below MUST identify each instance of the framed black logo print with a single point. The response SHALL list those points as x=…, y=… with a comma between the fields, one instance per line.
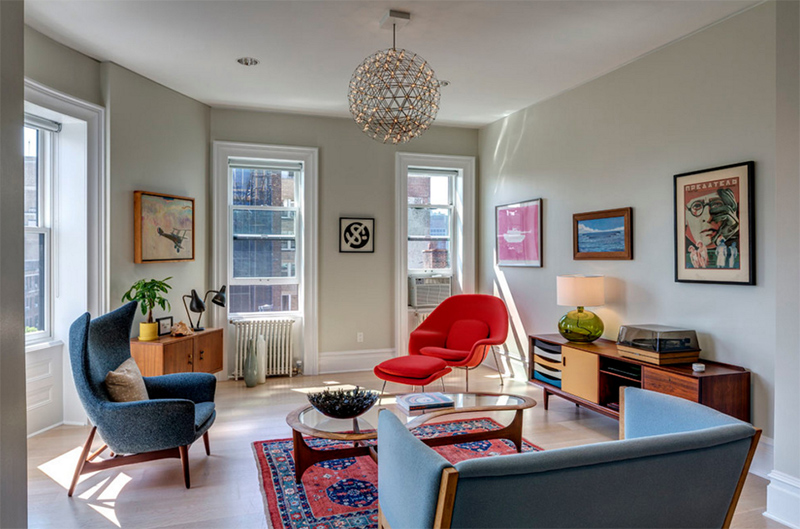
x=356, y=235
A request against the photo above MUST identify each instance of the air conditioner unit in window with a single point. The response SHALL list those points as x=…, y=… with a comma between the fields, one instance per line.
x=426, y=292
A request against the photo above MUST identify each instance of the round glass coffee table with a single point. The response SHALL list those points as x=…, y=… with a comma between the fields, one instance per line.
x=306, y=420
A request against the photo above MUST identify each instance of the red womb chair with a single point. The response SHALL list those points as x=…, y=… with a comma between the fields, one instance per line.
x=462, y=330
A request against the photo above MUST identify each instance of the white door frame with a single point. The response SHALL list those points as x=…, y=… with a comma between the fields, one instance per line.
x=464, y=243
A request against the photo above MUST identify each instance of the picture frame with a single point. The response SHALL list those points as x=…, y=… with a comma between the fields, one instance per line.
x=715, y=237
x=518, y=234
x=356, y=235
x=603, y=235
x=163, y=228
x=164, y=325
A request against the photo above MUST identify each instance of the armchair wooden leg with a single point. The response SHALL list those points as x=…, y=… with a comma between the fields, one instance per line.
x=184, y=451
x=207, y=445
x=82, y=461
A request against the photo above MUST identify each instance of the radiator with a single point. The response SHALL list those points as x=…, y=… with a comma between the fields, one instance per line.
x=419, y=317
x=277, y=358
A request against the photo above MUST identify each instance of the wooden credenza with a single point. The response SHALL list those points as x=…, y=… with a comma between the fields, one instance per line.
x=590, y=374
x=200, y=352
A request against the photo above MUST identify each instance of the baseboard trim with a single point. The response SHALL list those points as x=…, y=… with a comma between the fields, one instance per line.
x=783, y=499
x=344, y=361
x=763, y=461
x=45, y=429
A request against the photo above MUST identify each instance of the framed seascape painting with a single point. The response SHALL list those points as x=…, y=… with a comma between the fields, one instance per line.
x=519, y=234
x=163, y=228
x=603, y=234
x=715, y=225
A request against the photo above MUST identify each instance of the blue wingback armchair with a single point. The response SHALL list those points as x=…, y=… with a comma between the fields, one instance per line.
x=180, y=409
x=680, y=464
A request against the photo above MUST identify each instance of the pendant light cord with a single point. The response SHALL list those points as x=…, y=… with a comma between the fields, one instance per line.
x=394, y=42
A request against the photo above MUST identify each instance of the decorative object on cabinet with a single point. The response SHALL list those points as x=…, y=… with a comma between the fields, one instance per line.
x=199, y=305
x=603, y=234
x=715, y=225
x=356, y=235
x=658, y=344
x=198, y=352
x=163, y=228
x=181, y=329
x=164, y=325
x=590, y=374
x=580, y=291
x=394, y=94
x=148, y=293
x=519, y=234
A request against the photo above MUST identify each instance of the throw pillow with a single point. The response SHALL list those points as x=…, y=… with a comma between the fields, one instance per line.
x=125, y=383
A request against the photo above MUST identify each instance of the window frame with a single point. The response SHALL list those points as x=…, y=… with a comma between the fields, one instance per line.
x=46, y=154
x=297, y=208
x=450, y=207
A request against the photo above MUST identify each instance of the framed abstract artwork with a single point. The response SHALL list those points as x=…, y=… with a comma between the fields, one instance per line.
x=519, y=234
x=715, y=225
x=603, y=234
x=163, y=228
x=356, y=235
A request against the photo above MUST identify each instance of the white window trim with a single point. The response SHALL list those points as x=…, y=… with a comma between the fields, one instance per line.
x=451, y=238
x=98, y=190
x=463, y=246
x=221, y=152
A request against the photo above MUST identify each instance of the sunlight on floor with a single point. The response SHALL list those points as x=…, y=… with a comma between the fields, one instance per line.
x=100, y=497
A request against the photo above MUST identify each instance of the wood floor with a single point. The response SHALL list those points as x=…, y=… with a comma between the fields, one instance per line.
x=225, y=490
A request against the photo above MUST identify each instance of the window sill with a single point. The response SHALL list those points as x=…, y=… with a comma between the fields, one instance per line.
x=45, y=344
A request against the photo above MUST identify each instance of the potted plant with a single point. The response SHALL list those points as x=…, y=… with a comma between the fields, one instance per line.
x=148, y=294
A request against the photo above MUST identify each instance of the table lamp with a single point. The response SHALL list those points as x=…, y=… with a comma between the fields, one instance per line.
x=199, y=305
x=580, y=291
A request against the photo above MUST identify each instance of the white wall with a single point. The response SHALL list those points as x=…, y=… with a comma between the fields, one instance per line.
x=356, y=178
x=13, y=447
x=617, y=141
x=157, y=140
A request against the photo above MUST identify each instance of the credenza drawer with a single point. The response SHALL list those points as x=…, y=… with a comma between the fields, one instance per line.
x=671, y=384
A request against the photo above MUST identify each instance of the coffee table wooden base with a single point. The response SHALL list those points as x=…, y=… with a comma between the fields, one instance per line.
x=305, y=456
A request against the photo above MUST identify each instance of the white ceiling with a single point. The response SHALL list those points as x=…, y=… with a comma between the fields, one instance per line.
x=500, y=56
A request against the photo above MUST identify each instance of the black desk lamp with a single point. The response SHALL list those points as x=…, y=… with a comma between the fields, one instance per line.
x=199, y=305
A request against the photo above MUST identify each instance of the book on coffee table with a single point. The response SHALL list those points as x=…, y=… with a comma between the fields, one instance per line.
x=421, y=402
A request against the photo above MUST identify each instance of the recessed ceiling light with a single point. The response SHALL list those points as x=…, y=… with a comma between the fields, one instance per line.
x=444, y=84
x=247, y=61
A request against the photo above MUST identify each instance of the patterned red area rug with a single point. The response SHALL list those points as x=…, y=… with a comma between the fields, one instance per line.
x=343, y=493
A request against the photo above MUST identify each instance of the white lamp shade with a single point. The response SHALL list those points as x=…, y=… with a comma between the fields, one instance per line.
x=580, y=291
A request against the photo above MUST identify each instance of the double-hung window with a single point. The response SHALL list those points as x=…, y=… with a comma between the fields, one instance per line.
x=430, y=220
x=39, y=135
x=264, y=216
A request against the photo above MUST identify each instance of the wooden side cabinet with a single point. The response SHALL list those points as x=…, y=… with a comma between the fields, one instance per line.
x=200, y=352
x=590, y=374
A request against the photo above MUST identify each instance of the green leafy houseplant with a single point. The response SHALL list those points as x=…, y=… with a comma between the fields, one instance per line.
x=148, y=294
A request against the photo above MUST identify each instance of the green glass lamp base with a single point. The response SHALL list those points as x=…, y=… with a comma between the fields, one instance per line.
x=580, y=326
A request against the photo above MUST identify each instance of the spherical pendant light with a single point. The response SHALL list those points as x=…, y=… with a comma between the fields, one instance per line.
x=394, y=95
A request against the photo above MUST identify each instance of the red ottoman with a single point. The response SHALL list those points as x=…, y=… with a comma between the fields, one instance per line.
x=414, y=370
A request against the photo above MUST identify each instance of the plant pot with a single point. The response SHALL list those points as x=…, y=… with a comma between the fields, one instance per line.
x=148, y=332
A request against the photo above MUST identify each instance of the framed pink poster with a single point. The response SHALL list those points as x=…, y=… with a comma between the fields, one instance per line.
x=519, y=234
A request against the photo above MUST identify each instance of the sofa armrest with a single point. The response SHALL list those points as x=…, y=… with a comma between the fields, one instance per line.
x=646, y=413
x=423, y=338
x=196, y=387
x=146, y=425
x=409, y=473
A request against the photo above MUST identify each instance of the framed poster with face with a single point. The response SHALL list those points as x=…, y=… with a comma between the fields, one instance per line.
x=356, y=235
x=715, y=225
x=519, y=234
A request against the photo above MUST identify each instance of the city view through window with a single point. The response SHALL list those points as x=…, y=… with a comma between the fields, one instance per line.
x=429, y=221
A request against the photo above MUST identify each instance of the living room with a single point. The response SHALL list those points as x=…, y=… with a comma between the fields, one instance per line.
x=589, y=106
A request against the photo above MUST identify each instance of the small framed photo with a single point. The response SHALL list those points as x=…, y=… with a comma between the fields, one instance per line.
x=164, y=325
x=603, y=235
x=715, y=225
x=356, y=235
x=519, y=234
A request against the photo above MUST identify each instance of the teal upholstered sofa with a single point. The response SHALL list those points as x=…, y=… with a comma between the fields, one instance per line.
x=680, y=464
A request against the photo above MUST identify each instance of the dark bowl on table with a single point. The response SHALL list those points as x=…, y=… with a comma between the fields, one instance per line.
x=343, y=403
